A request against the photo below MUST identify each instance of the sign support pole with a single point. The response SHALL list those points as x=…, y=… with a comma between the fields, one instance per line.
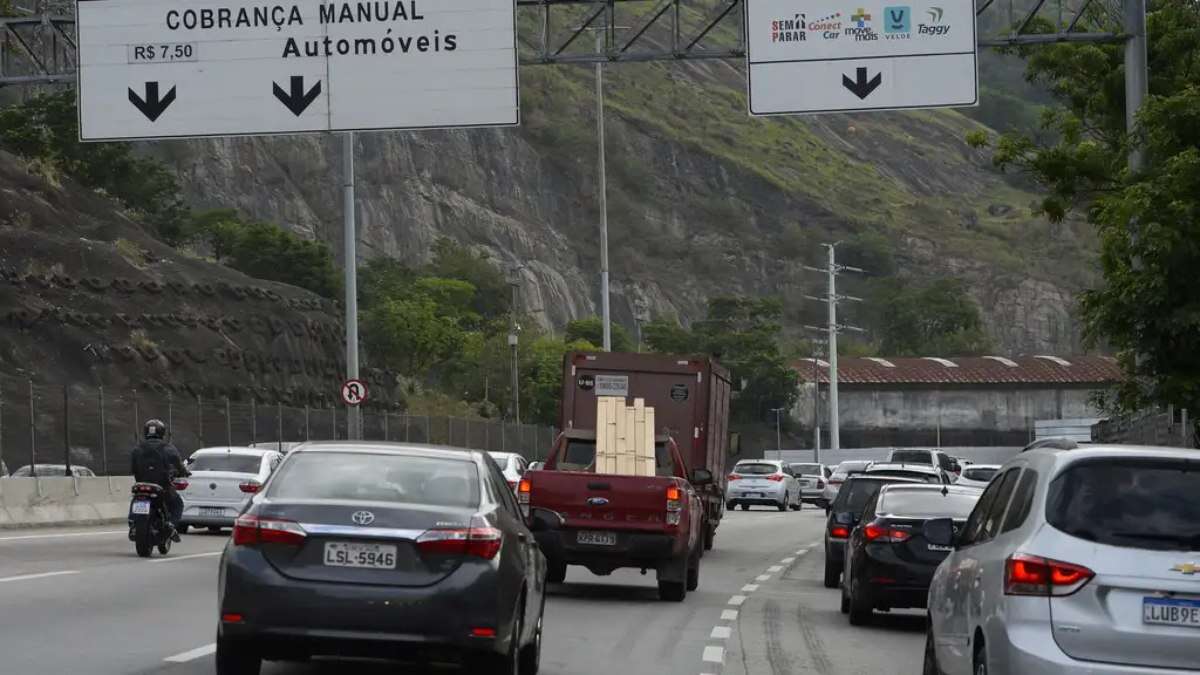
x=353, y=415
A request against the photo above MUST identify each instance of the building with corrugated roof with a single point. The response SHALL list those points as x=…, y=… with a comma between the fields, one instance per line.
x=978, y=400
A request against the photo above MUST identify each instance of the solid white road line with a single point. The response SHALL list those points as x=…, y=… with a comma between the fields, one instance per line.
x=186, y=557
x=714, y=654
x=749, y=588
x=720, y=632
x=197, y=653
x=763, y=577
x=729, y=615
x=737, y=600
x=43, y=575
x=775, y=568
x=63, y=535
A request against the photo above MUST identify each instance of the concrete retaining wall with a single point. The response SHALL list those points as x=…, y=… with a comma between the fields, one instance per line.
x=30, y=502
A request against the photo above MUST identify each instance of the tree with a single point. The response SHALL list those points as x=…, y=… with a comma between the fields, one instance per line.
x=665, y=335
x=452, y=261
x=922, y=319
x=1149, y=221
x=743, y=333
x=591, y=330
x=267, y=251
x=411, y=335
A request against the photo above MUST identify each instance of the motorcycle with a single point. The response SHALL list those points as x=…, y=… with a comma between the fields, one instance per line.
x=149, y=520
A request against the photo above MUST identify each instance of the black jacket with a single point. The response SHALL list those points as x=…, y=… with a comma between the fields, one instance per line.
x=156, y=461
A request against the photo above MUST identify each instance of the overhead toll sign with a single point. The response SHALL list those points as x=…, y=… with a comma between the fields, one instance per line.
x=818, y=57
x=184, y=68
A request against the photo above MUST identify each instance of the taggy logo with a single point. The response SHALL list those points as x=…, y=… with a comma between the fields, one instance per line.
x=935, y=26
x=791, y=29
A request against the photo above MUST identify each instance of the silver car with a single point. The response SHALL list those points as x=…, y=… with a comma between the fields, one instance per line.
x=840, y=474
x=1074, y=561
x=977, y=475
x=812, y=477
x=222, y=482
x=766, y=482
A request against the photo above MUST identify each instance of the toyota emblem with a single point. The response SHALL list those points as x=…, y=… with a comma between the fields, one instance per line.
x=363, y=517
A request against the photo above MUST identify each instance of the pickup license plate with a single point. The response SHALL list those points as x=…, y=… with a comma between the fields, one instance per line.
x=596, y=538
x=347, y=554
x=212, y=511
x=141, y=508
x=1171, y=612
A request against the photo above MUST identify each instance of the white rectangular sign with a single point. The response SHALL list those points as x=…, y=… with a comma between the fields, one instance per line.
x=612, y=385
x=183, y=68
x=828, y=57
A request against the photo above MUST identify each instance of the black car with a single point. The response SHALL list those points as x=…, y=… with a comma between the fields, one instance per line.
x=843, y=515
x=382, y=550
x=889, y=563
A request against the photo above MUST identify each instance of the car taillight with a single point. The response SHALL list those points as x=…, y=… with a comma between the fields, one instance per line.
x=835, y=481
x=777, y=477
x=884, y=533
x=674, y=499
x=479, y=542
x=1031, y=575
x=524, y=489
x=820, y=483
x=249, y=530
x=180, y=484
x=734, y=476
x=250, y=486
x=839, y=532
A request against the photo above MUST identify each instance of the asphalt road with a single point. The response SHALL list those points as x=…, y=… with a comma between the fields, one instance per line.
x=80, y=601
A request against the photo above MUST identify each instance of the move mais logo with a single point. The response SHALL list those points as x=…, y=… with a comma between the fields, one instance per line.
x=860, y=26
x=861, y=19
x=789, y=29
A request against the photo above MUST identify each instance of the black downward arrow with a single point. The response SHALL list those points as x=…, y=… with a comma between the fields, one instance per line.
x=152, y=106
x=297, y=101
x=861, y=87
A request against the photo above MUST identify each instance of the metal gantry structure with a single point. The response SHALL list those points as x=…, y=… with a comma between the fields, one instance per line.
x=39, y=47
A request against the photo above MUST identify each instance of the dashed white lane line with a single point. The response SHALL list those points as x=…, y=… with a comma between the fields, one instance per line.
x=788, y=561
x=775, y=568
x=43, y=575
x=749, y=588
x=737, y=600
x=64, y=535
x=762, y=577
x=192, y=655
x=186, y=557
x=729, y=615
x=714, y=654
x=720, y=632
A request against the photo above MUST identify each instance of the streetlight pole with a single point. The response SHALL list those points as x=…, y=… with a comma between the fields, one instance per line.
x=834, y=437
x=512, y=344
x=605, y=314
x=353, y=425
x=778, y=435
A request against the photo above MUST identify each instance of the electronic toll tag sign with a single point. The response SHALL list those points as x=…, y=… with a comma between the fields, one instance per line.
x=189, y=68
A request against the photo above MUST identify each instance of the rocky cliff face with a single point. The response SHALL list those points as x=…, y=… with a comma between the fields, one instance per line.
x=703, y=200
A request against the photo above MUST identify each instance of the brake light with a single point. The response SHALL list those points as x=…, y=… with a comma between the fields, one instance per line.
x=483, y=632
x=775, y=477
x=820, y=483
x=180, y=484
x=1031, y=575
x=250, y=530
x=232, y=618
x=524, y=490
x=478, y=542
x=734, y=476
x=883, y=533
x=250, y=486
x=839, y=532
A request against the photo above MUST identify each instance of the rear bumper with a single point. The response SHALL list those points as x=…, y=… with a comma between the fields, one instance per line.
x=199, y=513
x=633, y=549
x=288, y=617
x=813, y=495
x=895, y=583
x=756, y=495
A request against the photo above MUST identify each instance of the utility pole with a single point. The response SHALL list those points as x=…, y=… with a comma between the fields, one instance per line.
x=831, y=298
x=778, y=436
x=514, y=281
x=605, y=314
x=353, y=424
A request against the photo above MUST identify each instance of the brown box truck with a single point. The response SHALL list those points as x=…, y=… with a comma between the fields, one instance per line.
x=690, y=397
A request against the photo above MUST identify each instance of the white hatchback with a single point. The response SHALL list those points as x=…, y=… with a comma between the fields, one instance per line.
x=512, y=465
x=223, y=480
x=762, y=481
x=1076, y=559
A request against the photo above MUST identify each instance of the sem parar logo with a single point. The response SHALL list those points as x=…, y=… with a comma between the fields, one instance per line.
x=788, y=29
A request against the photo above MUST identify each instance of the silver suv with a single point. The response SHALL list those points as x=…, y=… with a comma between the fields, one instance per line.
x=1075, y=560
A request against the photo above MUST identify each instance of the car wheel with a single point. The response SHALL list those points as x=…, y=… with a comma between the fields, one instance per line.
x=729, y=506
x=214, y=529
x=556, y=572
x=981, y=661
x=693, y=573
x=785, y=505
x=675, y=591
x=234, y=658
x=710, y=535
x=531, y=654
x=845, y=601
x=182, y=528
x=833, y=573
x=745, y=507
x=930, y=666
x=861, y=605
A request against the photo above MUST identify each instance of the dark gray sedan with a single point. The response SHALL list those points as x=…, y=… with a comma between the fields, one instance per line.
x=382, y=550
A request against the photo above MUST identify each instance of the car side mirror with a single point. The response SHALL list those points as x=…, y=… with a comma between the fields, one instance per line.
x=939, y=532
x=701, y=477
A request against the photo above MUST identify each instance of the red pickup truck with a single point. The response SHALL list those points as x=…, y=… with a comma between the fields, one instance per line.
x=605, y=522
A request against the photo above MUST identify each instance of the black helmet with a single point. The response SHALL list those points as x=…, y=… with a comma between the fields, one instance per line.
x=154, y=429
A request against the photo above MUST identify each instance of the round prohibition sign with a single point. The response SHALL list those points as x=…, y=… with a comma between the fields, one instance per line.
x=354, y=392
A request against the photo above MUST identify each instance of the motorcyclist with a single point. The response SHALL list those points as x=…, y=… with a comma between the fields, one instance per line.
x=157, y=460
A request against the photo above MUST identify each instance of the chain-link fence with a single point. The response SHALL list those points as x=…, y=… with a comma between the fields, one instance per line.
x=95, y=427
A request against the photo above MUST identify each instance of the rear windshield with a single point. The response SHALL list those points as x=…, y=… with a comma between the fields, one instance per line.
x=900, y=473
x=912, y=457
x=807, y=469
x=979, y=474
x=580, y=455
x=756, y=469
x=926, y=504
x=1137, y=503
x=377, y=478
x=230, y=462
x=855, y=494
x=851, y=468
